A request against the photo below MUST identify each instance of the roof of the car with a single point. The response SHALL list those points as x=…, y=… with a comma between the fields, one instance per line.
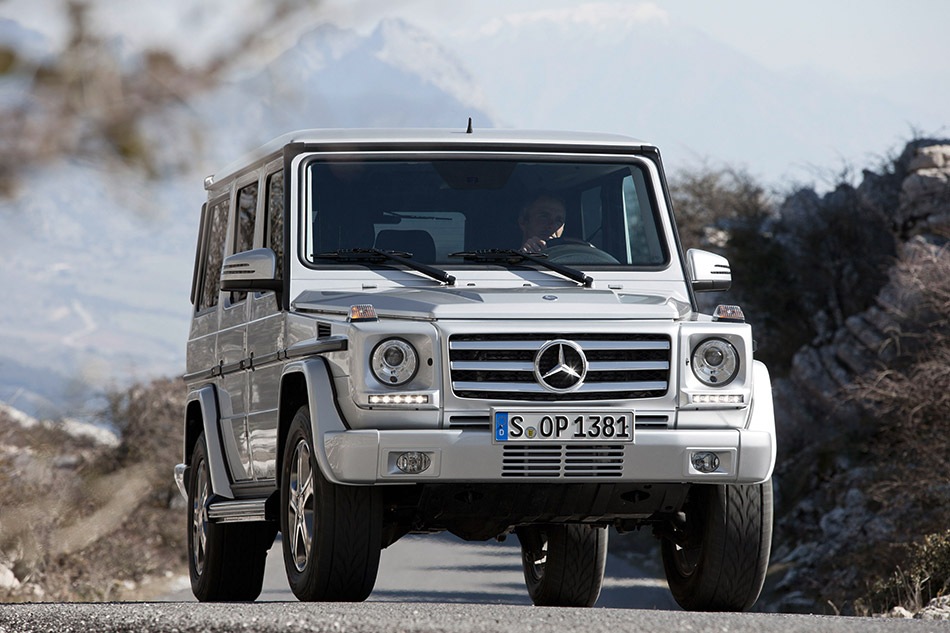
x=355, y=138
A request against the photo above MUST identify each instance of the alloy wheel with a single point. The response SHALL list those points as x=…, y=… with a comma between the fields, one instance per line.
x=300, y=505
x=199, y=519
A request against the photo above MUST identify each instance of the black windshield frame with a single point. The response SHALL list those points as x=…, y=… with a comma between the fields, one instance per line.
x=355, y=161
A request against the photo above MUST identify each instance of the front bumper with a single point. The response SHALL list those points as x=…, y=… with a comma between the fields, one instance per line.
x=370, y=456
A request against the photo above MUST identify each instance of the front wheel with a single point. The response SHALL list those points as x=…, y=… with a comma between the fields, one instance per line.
x=563, y=564
x=332, y=534
x=716, y=552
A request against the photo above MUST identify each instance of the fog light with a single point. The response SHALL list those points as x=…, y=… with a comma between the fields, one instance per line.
x=705, y=462
x=413, y=463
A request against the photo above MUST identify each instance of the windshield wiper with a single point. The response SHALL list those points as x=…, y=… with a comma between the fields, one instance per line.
x=512, y=256
x=377, y=255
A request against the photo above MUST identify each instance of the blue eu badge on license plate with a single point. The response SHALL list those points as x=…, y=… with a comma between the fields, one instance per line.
x=501, y=427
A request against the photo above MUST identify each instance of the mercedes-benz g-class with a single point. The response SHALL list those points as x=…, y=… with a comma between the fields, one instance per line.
x=485, y=332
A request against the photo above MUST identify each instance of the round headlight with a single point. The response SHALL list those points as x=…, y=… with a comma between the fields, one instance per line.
x=715, y=362
x=394, y=362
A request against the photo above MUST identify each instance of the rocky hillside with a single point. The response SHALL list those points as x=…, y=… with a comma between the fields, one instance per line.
x=862, y=476
x=848, y=294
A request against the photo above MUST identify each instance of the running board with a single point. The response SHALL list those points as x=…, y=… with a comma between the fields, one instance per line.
x=238, y=511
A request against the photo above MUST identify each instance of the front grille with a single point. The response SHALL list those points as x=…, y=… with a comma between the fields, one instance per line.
x=562, y=460
x=501, y=366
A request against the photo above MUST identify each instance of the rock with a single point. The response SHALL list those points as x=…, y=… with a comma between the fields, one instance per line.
x=899, y=612
x=67, y=462
x=934, y=156
x=7, y=579
x=938, y=609
x=923, y=183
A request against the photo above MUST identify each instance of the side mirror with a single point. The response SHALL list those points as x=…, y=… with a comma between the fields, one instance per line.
x=251, y=270
x=708, y=272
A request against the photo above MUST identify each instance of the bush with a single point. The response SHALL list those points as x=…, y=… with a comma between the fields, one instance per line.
x=924, y=576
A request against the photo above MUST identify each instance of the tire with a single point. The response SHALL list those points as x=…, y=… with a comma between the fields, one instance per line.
x=719, y=558
x=225, y=561
x=563, y=564
x=332, y=534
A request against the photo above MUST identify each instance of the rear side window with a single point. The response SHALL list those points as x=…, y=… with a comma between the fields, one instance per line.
x=217, y=230
x=274, y=239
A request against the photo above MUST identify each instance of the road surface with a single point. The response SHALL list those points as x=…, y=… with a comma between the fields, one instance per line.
x=443, y=568
x=436, y=584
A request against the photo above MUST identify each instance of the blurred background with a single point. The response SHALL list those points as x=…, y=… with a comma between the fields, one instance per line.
x=806, y=142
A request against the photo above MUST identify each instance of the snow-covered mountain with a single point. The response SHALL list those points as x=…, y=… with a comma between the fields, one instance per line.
x=397, y=76
x=98, y=257
x=631, y=68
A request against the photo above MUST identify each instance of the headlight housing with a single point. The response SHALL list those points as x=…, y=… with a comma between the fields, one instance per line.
x=394, y=362
x=715, y=362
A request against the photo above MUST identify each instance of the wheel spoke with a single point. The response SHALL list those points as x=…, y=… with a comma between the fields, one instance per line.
x=199, y=529
x=299, y=497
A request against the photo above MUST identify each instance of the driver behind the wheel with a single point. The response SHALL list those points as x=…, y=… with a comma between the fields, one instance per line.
x=541, y=220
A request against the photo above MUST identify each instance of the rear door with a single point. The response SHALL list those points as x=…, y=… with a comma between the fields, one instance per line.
x=265, y=332
x=232, y=336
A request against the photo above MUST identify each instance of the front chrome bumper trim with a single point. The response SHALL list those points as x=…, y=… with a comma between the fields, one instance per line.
x=365, y=457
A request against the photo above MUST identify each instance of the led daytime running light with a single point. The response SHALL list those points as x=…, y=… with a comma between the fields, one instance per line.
x=399, y=399
x=717, y=398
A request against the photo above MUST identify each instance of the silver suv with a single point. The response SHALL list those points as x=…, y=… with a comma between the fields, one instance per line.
x=485, y=332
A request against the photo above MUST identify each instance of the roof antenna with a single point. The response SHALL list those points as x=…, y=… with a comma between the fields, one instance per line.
x=469, y=129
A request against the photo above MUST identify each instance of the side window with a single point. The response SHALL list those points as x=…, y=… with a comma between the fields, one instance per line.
x=244, y=235
x=274, y=230
x=642, y=239
x=216, y=232
x=246, y=211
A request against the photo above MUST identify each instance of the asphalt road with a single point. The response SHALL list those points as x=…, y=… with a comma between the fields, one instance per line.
x=416, y=617
x=436, y=584
x=443, y=568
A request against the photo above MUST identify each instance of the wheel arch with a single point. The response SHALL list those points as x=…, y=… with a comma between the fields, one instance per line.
x=308, y=382
x=201, y=416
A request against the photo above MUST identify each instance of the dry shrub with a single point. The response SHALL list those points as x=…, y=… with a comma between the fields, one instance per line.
x=911, y=398
x=912, y=394
x=924, y=576
x=149, y=418
x=62, y=530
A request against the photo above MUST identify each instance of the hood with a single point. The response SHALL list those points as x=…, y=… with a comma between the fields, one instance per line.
x=498, y=303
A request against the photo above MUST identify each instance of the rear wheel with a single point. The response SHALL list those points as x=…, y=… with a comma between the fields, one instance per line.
x=563, y=564
x=716, y=552
x=331, y=533
x=225, y=561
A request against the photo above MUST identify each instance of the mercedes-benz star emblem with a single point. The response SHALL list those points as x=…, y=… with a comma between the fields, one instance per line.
x=560, y=366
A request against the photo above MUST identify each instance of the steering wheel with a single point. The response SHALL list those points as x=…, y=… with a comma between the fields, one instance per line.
x=571, y=250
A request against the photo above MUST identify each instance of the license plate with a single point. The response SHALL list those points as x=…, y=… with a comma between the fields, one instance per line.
x=549, y=426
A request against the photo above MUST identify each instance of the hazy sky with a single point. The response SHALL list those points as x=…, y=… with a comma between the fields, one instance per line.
x=893, y=53
x=872, y=39
x=867, y=41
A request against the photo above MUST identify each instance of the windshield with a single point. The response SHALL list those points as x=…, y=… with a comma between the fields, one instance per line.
x=591, y=214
